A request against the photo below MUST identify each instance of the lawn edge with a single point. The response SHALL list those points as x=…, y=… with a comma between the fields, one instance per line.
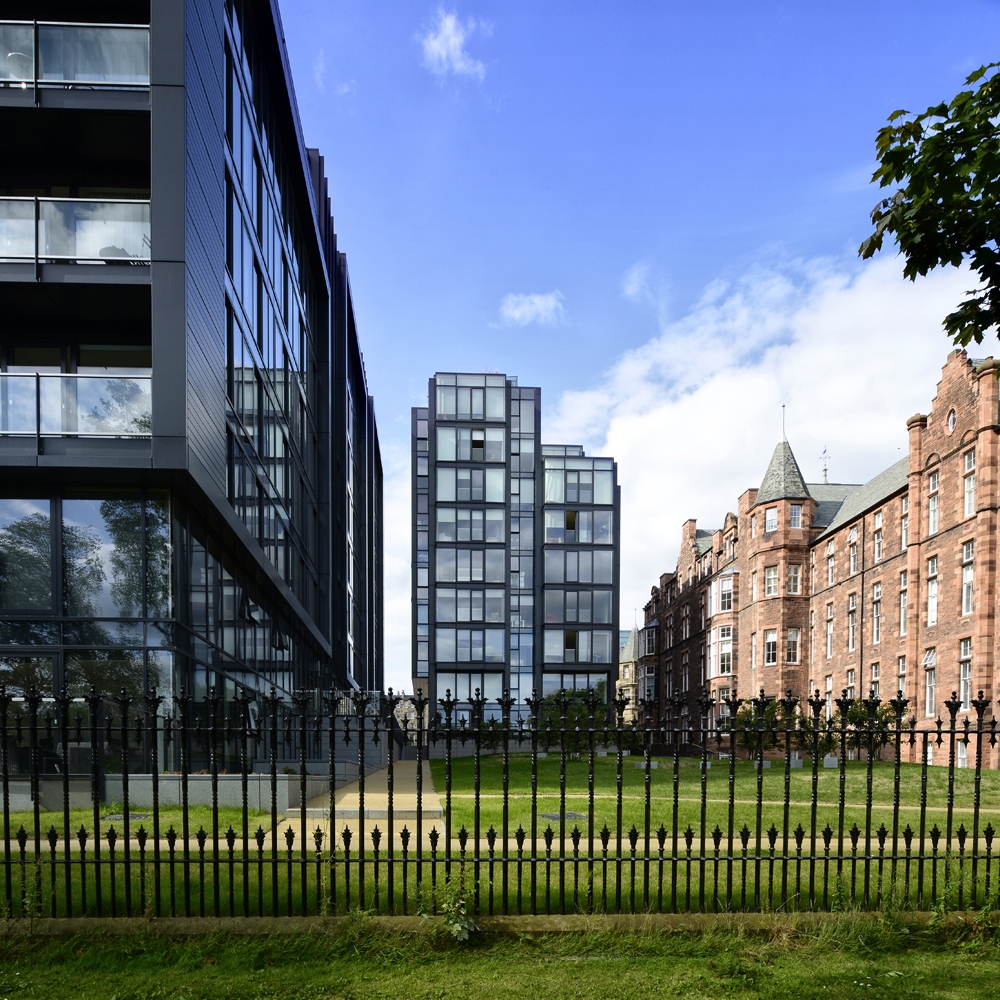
x=492, y=926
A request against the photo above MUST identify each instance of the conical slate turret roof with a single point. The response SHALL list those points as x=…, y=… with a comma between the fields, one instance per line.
x=783, y=479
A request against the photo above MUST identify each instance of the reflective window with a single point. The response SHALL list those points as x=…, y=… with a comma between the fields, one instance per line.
x=25, y=555
x=102, y=557
x=578, y=567
x=20, y=673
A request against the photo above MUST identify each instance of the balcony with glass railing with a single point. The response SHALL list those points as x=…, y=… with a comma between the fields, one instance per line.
x=74, y=229
x=85, y=406
x=50, y=54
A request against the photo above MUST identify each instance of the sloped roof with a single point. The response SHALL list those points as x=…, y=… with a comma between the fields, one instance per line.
x=829, y=499
x=703, y=540
x=783, y=479
x=629, y=653
x=874, y=492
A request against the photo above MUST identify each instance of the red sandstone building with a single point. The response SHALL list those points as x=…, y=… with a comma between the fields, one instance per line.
x=884, y=587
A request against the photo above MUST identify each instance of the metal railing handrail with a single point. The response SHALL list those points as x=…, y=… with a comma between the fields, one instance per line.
x=95, y=201
x=38, y=433
x=37, y=83
x=677, y=838
x=135, y=378
x=76, y=24
x=38, y=257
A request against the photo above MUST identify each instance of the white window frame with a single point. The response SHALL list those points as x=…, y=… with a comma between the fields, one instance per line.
x=968, y=588
x=876, y=613
x=932, y=591
x=965, y=673
x=792, y=645
x=933, y=511
x=829, y=631
x=795, y=515
x=969, y=495
x=770, y=520
x=770, y=581
x=725, y=649
x=794, y=578
x=770, y=647
x=726, y=594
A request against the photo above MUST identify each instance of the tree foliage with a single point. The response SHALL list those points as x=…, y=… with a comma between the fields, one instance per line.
x=946, y=162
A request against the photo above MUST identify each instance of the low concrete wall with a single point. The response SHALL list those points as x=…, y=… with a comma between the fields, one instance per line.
x=140, y=790
x=51, y=789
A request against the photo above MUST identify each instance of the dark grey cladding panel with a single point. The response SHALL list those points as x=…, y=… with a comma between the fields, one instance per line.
x=169, y=368
x=167, y=175
x=166, y=56
x=204, y=226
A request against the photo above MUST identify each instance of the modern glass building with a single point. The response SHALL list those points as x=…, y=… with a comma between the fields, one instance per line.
x=190, y=481
x=515, y=548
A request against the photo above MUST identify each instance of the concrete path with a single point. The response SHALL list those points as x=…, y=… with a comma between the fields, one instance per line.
x=347, y=810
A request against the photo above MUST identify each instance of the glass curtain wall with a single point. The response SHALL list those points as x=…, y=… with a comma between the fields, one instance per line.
x=123, y=590
x=272, y=319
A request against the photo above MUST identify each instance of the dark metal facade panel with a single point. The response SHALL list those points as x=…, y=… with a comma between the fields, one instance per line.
x=205, y=247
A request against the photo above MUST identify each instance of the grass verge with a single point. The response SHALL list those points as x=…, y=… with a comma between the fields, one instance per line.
x=716, y=793
x=845, y=956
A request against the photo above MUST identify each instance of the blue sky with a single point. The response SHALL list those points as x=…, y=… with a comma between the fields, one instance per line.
x=567, y=191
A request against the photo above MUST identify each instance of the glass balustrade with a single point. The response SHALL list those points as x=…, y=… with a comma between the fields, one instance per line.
x=78, y=55
x=17, y=53
x=74, y=229
x=76, y=405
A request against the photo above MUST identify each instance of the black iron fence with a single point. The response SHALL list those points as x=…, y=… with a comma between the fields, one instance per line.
x=245, y=805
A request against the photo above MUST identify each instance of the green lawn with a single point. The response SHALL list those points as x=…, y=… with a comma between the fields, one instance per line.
x=716, y=794
x=847, y=959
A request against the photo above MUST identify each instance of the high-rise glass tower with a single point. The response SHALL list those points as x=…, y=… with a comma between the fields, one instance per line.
x=515, y=549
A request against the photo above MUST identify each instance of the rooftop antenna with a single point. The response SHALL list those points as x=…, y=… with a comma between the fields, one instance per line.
x=783, y=437
x=825, y=459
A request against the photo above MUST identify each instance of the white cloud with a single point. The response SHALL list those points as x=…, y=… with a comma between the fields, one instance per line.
x=635, y=281
x=343, y=89
x=444, y=46
x=535, y=307
x=693, y=415
x=319, y=71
